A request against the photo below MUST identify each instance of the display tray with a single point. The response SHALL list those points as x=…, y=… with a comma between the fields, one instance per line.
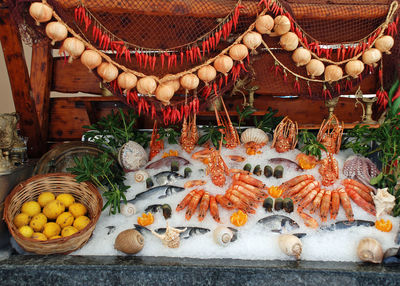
x=131, y=270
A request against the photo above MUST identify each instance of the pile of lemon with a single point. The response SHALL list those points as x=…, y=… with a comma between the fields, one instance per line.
x=51, y=217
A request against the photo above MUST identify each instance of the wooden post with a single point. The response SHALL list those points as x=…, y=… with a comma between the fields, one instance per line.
x=20, y=85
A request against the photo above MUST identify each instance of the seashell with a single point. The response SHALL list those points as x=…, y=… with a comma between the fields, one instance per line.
x=141, y=176
x=370, y=250
x=132, y=156
x=129, y=241
x=171, y=237
x=254, y=135
x=384, y=202
x=290, y=245
x=222, y=235
x=128, y=209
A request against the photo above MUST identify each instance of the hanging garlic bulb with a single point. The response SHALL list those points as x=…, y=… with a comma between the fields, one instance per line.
x=354, y=68
x=73, y=47
x=40, y=12
x=301, y=56
x=56, y=32
x=207, y=73
x=281, y=26
x=384, y=44
x=146, y=85
x=189, y=81
x=370, y=250
x=315, y=68
x=289, y=41
x=174, y=83
x=252, y=40
x=264, y=24
x=164, y=93
x=290, y=245
x=127, y=81
x=107, y=71
x=371, y=56
x=333, y=73
x=238, y=52
x=91, y=59
x=223, y=64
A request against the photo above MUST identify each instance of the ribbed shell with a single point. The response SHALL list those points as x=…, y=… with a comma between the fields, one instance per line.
x=254, y=135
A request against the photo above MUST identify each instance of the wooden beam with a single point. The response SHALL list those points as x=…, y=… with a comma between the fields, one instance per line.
x=20, y=86
x=41, y=71
x=90, y=110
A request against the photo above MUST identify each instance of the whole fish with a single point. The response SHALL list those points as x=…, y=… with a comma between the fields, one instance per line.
x=288, y=163
x=141, y=229
x=277, y=223
x=166, y=191
x=167, y=177
x=347, y=224
x=188, y=233
x=166, y=162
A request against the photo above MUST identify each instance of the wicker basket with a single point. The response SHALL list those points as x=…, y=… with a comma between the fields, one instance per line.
x=56, y=183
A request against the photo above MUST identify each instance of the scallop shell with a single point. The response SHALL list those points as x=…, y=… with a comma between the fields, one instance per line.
x=254, y=135
x=129, y=241
x=132, y=156
x=128, y=209
x=370, y=250
x=141, y=176
x=222, y=235
x=384, y=202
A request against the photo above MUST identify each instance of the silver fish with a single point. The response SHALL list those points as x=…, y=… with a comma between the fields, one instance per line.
x=166, y=191
x=141, y=229
x=278, y=223
x=167, y=162
x=347, y=224
x=167, y=177
x=188, y=233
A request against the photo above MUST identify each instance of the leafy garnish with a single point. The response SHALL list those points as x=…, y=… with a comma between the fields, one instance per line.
x=311, y=146
x=268, y=121
x=211, y=133
x=170, y=133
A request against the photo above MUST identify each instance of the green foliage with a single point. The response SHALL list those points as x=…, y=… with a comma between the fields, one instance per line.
x=170, y=133
x=105, y=174
x=211, y=133
x=244, y=114
x=268, y=121
x=393, y=105
x=114, y=130
x=310, y=144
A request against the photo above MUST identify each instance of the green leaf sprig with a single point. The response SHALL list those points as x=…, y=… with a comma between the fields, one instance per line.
x=169, y=133
x=310, y=144
x=211, y=133
x=268, y=121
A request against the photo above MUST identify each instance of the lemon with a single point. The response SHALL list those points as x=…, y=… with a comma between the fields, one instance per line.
x=51, y=229
x=31, y=208
x=45, y=198
x=21, y=220
x=77, y=209
x=65, y=219
x=66, y=199
x=55, y=237
x=69, y=230
x=38, y=222
x=53, y=209
x=81, y=222
x=26, y=231
x=39, y=236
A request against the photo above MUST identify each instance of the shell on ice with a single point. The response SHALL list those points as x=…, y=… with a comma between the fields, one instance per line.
x=132, y=156
x=222, y=235
x=141, y=176
x=128, y=209
x=171, y=237
x=254, y=135
x=384, y=202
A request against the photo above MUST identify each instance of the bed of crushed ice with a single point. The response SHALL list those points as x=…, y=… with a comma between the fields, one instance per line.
x=254, y=240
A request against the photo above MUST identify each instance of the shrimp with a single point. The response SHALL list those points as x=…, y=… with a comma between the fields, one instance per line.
x=248, y=201
x=296, y=188
x=236, y=158
x=214, y=209
x=194, y=183
x=335, y=204
x=248, y=193
x=326, y=202
x=308, y=199
x=309, y=221
x=317, y=201
x=249, y=180
x=224, y=202
x=185, y=201
x=369, y=208
x=357, y=184
x=204, y=204
x=364, y=194
x=311, y=186
x=193, y=204
x=240, y=171
x=298, y=179
x=344, y=199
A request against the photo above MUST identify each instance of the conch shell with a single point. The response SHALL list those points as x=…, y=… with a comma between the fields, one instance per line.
x=291, y=245
x=254, y=135
x=384, y=202
x=141, y=176
x=171, y=237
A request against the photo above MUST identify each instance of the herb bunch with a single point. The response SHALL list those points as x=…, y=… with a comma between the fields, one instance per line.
x=311, y=146
x=268, y=121
x=212, y=133
x=170, y=133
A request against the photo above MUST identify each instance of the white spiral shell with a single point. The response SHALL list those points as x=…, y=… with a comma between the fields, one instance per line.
x=254, y=135
x=222, y=235
x=132, y=156
x=141, y=176
x=128, y=209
